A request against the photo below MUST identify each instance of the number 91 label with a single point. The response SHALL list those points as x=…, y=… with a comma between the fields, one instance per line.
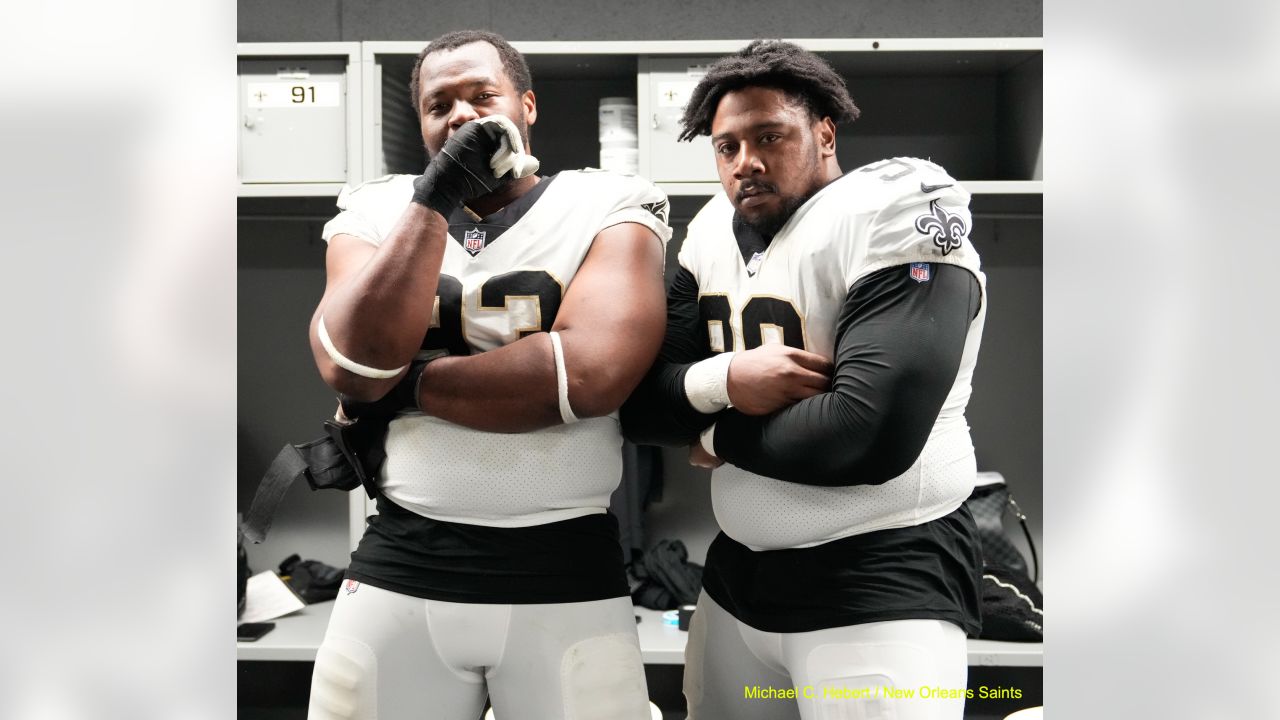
x=302, y=94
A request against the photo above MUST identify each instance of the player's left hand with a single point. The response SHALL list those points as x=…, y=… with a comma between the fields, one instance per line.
x=766, y=379
x=699, y=457
x=461, y=171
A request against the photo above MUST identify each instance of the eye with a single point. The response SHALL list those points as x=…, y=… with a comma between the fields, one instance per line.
x=769, y=138
x=486, y=96
x=438, y=108
x=726, y=149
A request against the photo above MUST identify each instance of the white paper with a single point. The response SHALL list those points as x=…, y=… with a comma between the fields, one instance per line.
x=267, y=597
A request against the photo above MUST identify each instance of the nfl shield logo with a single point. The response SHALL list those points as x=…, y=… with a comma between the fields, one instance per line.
x=473, y=241
x=920, y=272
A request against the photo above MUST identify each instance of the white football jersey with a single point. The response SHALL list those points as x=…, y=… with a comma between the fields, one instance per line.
x=895, y=212
x=492, y=293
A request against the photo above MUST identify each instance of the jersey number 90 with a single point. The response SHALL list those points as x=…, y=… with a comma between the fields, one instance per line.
x=765, y=318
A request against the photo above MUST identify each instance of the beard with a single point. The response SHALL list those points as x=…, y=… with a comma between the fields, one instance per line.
x=768, y=224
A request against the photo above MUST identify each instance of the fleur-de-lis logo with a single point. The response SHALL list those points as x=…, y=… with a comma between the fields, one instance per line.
x=659, y=209
x=948, y=230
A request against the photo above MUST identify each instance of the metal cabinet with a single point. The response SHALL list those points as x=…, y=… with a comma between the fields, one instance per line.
x=299, y=110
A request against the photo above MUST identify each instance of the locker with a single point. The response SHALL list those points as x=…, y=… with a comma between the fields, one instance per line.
x=671, y=81
x=293, y=120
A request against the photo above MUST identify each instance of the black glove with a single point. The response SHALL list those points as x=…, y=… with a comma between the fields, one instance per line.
x=460, y=171
x=361, y=439
x=402, y=396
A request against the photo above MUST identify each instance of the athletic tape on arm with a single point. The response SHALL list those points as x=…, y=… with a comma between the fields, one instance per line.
x=349, y=365
x=706, y=384
x=562, y=381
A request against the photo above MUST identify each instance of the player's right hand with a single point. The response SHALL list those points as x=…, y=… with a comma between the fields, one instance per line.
x=461, y=170
x=771, y=377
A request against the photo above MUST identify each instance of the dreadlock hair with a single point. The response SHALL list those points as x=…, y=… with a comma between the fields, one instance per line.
x=785, y=66
x=512, y=61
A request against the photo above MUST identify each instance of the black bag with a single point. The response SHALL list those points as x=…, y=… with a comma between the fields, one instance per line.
x=988, y=503
x=312, y=580
x=1012, y=605
x=666, y=577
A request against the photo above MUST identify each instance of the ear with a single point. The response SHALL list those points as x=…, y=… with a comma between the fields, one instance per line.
x=530, y=107
x=824, y=131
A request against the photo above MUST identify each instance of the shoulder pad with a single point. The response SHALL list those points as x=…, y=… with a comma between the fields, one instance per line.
x=367, y=187
x=624, y=189
x=717, y=210
x=896, y=182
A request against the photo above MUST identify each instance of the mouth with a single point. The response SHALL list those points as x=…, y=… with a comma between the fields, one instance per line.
x=754, y=193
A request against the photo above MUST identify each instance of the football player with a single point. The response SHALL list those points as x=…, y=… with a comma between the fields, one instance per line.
x=514, y=314
x=822, y=332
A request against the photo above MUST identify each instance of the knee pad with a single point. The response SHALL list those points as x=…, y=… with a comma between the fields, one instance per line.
x=343, y=684
x=602, y=678
x=877, y=681
x=854, y=697
x=695, y=652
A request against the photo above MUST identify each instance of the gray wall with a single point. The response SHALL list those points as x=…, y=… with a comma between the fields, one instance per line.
x=280, y=395
x=281, y=257
x=315, y=20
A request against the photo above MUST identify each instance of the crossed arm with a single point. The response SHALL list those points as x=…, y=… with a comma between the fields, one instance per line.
x=610, y=324
x=377, y=301
x=898, y=347
x=760, y=381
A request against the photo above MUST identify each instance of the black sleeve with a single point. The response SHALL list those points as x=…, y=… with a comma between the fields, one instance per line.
x=898, y=348
x=658, y=411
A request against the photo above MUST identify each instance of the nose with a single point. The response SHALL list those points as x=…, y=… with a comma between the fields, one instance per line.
x=747, y=163
x=463, y=113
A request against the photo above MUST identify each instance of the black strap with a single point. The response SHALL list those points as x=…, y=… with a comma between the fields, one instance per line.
x=288, y=466
x=1031, y=544
x=347, y=457
x=326, y=463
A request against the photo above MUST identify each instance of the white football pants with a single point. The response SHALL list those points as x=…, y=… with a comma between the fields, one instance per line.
x=735, y=672
x=395, y=657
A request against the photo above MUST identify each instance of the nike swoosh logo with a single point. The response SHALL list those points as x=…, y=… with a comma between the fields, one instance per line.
x=926, y=189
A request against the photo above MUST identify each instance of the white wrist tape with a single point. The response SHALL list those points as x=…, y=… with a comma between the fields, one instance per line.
x=706, y=384
x=708, y=440
x=562, y=381
x=350, y=365
x=511, y=156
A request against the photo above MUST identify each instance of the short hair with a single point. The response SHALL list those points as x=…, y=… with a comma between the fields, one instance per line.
x=512, y=61
x=785, y=66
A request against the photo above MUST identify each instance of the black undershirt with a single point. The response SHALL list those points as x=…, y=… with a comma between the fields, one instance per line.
x=924, y=572
x=568, y=561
